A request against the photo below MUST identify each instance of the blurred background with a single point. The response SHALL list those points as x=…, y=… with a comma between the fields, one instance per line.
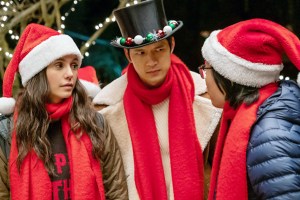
x=91, y=24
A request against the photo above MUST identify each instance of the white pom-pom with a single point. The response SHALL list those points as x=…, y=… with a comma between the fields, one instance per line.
x=119, y=41
x=91, y=88
x=138, y=39
x=167, y=29
x=298, y=79
x=7, y=105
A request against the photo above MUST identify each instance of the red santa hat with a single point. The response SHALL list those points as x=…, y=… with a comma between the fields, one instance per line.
x=37, y=48
x=88, y=78
x=250, y=52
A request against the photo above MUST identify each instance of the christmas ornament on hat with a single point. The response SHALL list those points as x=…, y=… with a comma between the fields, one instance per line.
x=143, y=24
x=88, y=78
x=250, y=52
x=37, y=48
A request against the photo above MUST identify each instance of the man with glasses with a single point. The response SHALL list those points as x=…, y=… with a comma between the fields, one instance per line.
x=160, y=121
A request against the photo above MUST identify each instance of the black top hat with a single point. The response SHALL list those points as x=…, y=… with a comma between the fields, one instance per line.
x=143, y=24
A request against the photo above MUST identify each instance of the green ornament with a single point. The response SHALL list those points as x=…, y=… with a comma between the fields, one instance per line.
x=172, y=25
x=149, y=37
x=122, y=41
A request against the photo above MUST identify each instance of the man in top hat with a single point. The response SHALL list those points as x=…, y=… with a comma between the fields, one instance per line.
x=160, y=121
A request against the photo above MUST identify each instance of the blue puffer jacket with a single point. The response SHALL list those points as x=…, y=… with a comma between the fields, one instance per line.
x=273, y=154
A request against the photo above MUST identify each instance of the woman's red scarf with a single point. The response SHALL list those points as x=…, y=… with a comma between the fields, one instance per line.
x=229, y=173
x=33, y=181
x=185, y=151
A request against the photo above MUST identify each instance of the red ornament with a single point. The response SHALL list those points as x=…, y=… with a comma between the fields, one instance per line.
x=160, y=33
x=129, y=41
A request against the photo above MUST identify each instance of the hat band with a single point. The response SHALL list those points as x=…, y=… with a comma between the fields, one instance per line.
x=150, y=37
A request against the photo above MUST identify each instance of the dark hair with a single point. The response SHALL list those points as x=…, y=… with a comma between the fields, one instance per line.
x=169, y=39
x=235, y=93
x=33, y=133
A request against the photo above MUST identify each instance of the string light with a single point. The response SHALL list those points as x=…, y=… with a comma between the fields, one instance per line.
x=15, y=36
x=113, y=19
x=107, y=21
x=64, y=17
x=7, y=8
x=281, y=77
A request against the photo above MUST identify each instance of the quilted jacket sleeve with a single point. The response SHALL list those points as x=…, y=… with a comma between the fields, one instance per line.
x=114, y=178
x=273, y=159
x=4, y=182
x=4, y=152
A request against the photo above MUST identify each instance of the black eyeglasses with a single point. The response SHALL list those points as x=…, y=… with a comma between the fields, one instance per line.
x=202, y=69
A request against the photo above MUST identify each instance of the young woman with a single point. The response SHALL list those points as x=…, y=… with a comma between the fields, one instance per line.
x=61, y=148
x=257, y=153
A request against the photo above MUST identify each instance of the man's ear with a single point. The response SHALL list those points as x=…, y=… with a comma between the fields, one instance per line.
x=172, y=44
x=126, y=52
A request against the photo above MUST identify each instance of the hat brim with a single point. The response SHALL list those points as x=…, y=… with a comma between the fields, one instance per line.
x=115, y=43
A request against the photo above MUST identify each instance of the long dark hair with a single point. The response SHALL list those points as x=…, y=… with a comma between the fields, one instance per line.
x=33, y=120
x=235, y=93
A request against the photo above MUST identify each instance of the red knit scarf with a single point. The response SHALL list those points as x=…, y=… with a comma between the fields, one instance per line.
x=229, y=173
x=33, y=181
x=185, y=151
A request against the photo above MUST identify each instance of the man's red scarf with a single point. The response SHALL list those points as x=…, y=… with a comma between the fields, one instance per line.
x=33, y=181
x=185, y=151
x=229, y=173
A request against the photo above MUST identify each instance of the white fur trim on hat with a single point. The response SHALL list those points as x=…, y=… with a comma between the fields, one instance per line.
x=91, y=88
x=46, y=52
x=7, y=105
x=236, y=68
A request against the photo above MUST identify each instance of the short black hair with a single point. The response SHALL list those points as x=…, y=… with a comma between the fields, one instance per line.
x=169, y=39
x=235, y=93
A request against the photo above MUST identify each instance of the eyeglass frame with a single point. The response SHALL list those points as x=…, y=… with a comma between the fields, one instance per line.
x=202, y=69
